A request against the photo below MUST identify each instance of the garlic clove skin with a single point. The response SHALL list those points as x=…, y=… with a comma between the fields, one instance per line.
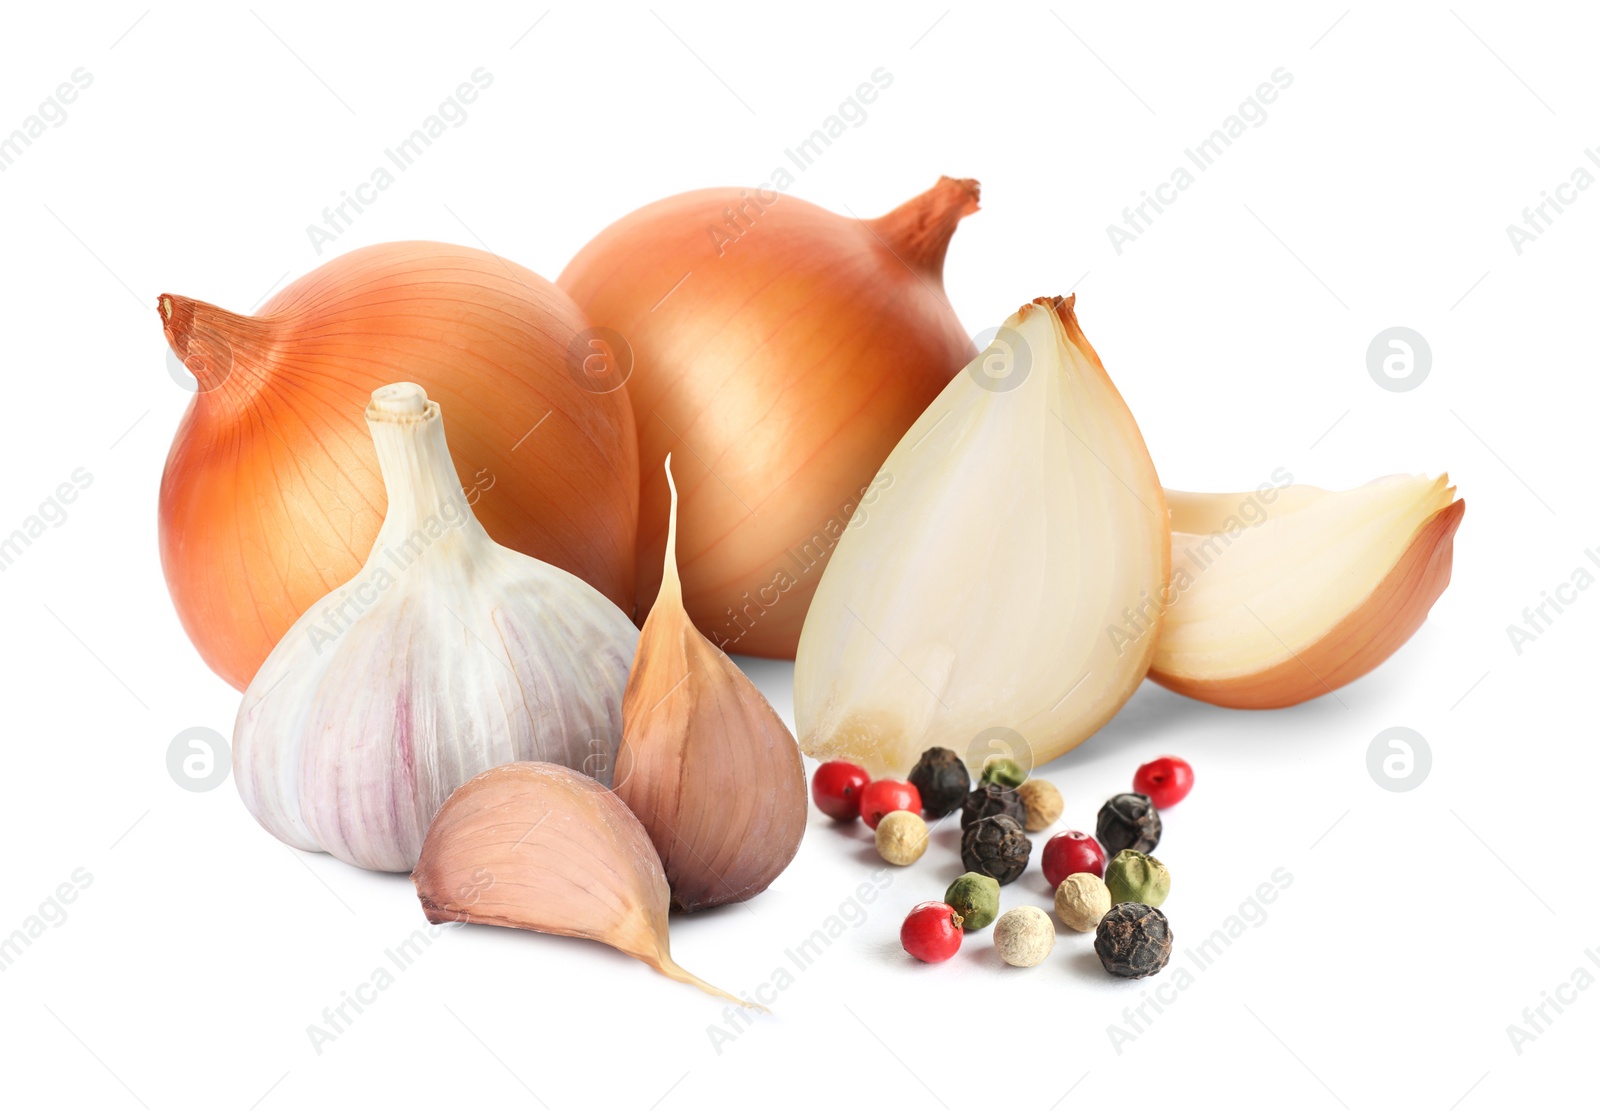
x=1280, y=596
x=545, y=848
x=446, y=655
x=708, y=767
x=1011, y=573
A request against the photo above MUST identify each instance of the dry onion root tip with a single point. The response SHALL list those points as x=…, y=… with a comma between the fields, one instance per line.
x=1285, y=594
x=708, y=767
x=541, y=847
x=787, y=345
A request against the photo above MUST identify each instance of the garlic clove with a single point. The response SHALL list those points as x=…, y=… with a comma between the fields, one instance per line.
x=1282, y=595
x=1009, y=576
x=446, y=654
x=541, y=847
x=705, y=763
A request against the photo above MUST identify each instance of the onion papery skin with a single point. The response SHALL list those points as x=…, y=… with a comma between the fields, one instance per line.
x=1407, y=568
x=780, y=359
x=271, y=496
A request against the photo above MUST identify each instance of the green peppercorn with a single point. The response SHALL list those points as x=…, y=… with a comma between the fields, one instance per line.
x=991, y=800
x=1133, y=941
x=942, y=779
x=996, y=847
x=976, y=898
x=1003, y=772
x=1132, y=876
x=1128, y=820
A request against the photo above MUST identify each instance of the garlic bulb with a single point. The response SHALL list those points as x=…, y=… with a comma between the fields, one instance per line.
x=705, y=763
x=1289, y=592
x=446, y=654
x=1009, y=577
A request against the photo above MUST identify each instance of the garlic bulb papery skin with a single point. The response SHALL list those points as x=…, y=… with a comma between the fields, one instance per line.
x=446, y=655
x=1290, y=592
x=1007, y=577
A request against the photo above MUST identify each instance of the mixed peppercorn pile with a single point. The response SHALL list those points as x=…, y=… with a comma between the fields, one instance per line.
x=1115, y=898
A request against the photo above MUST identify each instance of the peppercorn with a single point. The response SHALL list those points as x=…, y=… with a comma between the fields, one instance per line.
x=942, y=779
x=1041, y=803
x=1003, y=772
x=976, y=898
x=991, y=801
x=1135, y=877
x=884, y=796
x=1133, y=941
x=1069, y=852
x=931, y=932
x=1023, y=937
x=996, y=847
x=1128, y=820
x=1082, y=900
x=1166, y=781
x=901, y=837
x=836, y=788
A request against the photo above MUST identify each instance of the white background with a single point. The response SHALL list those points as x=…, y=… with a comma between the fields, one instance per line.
x=1377, y=192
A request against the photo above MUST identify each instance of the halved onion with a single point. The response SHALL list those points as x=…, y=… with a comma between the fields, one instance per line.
x=1282, y=595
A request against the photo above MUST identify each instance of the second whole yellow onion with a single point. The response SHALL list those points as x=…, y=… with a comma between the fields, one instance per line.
x=780, y=351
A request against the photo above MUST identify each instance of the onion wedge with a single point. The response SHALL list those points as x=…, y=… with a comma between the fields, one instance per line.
x=1284, y=594
x=1001, y=586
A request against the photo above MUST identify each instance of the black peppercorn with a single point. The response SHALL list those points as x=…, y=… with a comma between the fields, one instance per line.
x=992, y=801
x=942, y=779
x=1133, y=940
x=996, y=847
x=1128, y=820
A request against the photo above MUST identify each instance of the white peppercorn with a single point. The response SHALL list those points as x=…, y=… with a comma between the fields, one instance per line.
x=1041, y=804
x=901, y=837
x=1024, y=936
x=1082, y=900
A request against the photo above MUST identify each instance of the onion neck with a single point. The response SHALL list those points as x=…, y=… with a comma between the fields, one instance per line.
x=919, y=231
x=425, y=493
x=220, y=348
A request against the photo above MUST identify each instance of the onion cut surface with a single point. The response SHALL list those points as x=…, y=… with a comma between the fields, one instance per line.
x=1007, y=581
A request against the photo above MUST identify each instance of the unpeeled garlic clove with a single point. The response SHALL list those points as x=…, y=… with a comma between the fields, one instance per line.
x=705, y=763
x=542, y=847
x=1009, y=575
x=1291, y=592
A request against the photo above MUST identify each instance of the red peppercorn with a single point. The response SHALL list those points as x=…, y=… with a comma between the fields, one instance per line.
x=1070, y=852
x=931, y=932
x=836, y=788
x=885, y=796
x=1166, y=781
